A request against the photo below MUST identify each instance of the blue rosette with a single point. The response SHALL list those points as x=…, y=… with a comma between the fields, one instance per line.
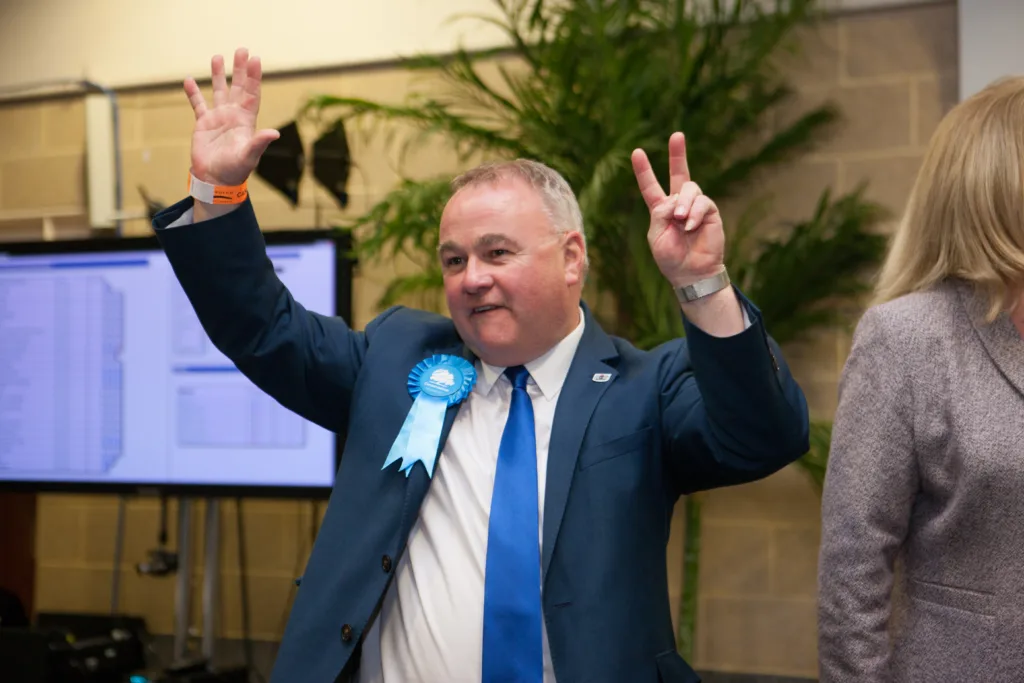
x=435, y=383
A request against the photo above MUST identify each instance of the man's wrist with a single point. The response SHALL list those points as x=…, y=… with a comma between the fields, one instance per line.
x=216, y=193
x=678, y=281
x=213, y=199
x=720, y=315
x=697, y=287
x=202, y=211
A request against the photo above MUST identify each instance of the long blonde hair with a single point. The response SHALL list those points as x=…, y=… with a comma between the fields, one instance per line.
x=965, y=215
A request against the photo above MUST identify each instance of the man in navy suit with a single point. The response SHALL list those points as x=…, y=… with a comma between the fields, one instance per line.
x=502, y=507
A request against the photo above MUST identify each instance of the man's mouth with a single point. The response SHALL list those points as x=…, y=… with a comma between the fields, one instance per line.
x=484, y=309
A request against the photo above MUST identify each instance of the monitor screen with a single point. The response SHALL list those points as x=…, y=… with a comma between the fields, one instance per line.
x=108, y=382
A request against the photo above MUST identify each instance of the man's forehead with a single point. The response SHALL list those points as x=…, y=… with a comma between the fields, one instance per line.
x=500, y=196
x=482, y=215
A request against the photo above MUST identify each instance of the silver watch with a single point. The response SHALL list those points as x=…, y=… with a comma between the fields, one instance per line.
x=703, y=288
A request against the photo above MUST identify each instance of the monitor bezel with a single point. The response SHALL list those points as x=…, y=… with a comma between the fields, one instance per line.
x=344, y=272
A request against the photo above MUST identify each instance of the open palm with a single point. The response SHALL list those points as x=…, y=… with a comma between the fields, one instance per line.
x=226, y=147
x=686, y=234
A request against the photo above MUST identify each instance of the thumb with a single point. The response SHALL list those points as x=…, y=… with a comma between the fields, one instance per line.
x=258, y=145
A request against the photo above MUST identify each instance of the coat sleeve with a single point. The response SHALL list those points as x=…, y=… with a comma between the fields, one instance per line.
x=731, y=410
x=870, y=486
x=306, y=361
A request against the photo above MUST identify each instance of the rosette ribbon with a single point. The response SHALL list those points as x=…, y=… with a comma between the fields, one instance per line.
x=435, y=383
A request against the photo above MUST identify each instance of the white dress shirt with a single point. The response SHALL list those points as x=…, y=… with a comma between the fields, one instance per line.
x=430, y=627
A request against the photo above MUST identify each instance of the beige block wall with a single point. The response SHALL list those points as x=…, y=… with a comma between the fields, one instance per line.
x=894, y=74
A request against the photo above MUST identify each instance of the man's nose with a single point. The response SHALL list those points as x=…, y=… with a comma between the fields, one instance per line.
x=476, y=277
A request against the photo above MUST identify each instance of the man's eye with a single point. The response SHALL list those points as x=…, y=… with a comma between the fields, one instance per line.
x=496, y=253
x=452, y=261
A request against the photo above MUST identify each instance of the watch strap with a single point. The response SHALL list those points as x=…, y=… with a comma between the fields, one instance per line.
x=703, y=288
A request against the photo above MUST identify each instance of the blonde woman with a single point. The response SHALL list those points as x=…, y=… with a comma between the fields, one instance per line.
x=927, y=464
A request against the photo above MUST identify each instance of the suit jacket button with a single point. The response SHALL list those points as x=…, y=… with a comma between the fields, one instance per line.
x=385, y=564
x=346, y=633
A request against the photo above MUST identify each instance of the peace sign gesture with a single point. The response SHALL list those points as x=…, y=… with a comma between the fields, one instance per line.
x=686, y=235
x=225, y=143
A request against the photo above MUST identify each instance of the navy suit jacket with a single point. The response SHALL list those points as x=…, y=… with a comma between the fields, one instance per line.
x=689, y=415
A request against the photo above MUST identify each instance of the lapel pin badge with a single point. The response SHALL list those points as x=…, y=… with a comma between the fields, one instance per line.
x=602, y=377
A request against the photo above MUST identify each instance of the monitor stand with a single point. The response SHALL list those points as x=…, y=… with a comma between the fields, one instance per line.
x=211, y=581
x=187, y=666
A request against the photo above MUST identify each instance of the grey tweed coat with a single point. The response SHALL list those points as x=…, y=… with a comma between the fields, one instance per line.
x=921, y=567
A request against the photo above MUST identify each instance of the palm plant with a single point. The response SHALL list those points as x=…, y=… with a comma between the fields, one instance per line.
x=582, y=85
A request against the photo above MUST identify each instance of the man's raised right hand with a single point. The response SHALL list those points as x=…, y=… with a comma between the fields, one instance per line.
x=226, y=147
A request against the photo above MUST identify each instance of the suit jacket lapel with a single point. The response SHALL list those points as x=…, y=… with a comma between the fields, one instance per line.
x=1000, y=338
x=418, y=481
x=576, y=403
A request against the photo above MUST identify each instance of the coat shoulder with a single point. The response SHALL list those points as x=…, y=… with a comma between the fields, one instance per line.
x=914, y=322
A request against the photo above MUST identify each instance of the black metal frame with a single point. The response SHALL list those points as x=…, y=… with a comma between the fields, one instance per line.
x=344, y=271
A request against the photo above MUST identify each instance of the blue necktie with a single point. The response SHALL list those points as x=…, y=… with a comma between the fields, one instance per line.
x=513, y=651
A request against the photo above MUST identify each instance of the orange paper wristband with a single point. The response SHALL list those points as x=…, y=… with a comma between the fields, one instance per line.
x=216, y=194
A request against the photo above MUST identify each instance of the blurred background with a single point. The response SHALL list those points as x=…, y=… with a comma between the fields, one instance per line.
x=806, y=121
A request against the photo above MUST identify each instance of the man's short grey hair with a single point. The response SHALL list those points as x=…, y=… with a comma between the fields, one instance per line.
x=559, y=200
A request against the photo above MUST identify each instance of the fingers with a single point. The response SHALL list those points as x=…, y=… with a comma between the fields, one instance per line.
x=702, y=209
x=246, y=74
x=678, y=168
x=239, y=75
x=195, y=97
x=645, y=178
x=253, y=80
x=220, y=81
x=684, y=200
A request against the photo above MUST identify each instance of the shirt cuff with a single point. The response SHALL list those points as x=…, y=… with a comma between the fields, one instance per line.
x=187, y=219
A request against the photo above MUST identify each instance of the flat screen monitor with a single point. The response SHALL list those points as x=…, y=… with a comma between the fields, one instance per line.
x=108, y=382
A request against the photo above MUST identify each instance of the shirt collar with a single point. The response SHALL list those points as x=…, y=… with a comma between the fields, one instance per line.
x=548, y=371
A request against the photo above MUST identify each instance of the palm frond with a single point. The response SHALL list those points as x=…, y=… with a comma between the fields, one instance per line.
x=404, y=221
x=797, y=279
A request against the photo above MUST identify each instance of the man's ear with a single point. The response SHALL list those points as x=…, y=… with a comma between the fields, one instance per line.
x=574, y=253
